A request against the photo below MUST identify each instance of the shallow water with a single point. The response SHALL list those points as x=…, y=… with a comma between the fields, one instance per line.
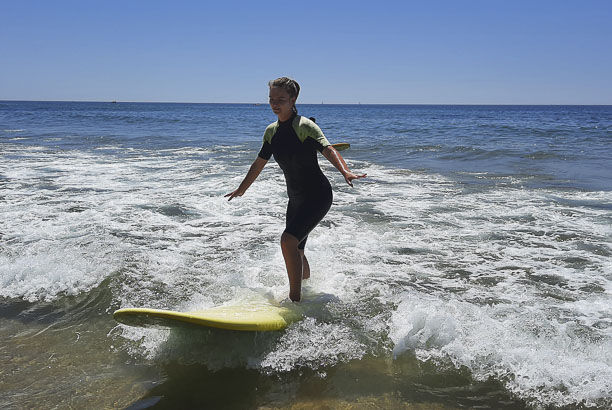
x=472, y=267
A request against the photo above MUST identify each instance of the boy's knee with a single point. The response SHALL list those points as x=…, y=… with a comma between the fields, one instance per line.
x=288, y=241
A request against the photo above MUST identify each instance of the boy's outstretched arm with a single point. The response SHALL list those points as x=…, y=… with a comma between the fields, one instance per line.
x=250, y=177
x=336, y=159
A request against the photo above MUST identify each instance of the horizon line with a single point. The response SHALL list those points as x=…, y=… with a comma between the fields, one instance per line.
x=321, y=103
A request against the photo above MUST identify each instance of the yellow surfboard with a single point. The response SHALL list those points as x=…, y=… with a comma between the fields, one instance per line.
x=249, y=317
x=341, y=146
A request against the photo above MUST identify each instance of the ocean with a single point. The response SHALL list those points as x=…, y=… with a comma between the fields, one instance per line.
x=472, y=268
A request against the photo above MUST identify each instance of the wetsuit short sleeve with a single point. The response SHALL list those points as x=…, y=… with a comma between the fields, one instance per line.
x=266, y=151
x=308, y=130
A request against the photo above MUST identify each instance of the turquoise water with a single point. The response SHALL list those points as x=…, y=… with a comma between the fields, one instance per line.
x=472, y=267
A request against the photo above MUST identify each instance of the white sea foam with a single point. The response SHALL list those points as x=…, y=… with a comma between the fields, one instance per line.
x=507, y=282
x=535, y=355
x=313, y=344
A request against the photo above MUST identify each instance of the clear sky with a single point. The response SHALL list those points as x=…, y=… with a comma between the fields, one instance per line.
x=413, y=52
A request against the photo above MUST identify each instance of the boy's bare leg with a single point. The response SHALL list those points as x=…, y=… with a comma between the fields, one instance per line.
x=305, y=266
x=293, y=263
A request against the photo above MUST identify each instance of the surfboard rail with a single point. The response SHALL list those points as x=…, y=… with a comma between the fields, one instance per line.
x=254, y=318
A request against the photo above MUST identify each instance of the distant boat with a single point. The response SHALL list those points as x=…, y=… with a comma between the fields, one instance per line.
x=113, y=102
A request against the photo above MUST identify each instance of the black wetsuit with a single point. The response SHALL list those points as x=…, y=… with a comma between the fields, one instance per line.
x=294, y=144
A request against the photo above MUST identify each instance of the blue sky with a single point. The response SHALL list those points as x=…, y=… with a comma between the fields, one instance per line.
x=412, y=52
